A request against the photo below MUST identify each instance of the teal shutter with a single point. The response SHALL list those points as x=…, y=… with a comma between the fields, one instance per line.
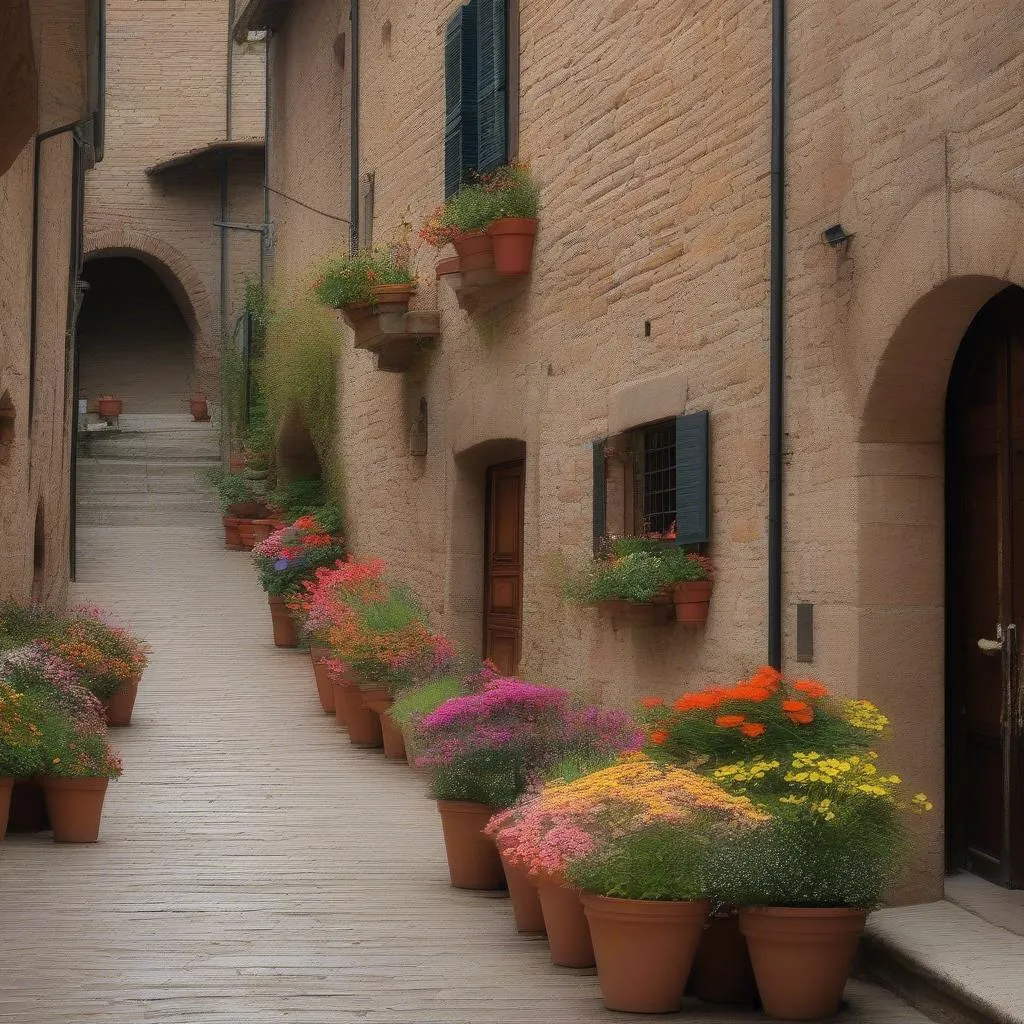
x=492, y=85
x=693, y=479
x=460, y=97
x=600, y=495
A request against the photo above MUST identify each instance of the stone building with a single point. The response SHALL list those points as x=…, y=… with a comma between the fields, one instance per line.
x=649, y=128
x=185, y=110
x=51, y=132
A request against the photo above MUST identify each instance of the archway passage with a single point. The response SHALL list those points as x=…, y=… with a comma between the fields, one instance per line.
x=985, y=593
x=133, y=341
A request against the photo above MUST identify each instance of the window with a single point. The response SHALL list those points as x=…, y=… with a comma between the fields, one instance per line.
x=478, y=59
x=653, y=481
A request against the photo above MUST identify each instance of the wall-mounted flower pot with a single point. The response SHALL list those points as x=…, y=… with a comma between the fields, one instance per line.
x=396, y=335
x=121, y=704
x=476, y=282
x=655, y=612
x=199, y=408
x=285, y=632
x=473, y=861
x=75, y=807
x=692, y=601
x=109, y=407
x=513, y=244
x=475, y=251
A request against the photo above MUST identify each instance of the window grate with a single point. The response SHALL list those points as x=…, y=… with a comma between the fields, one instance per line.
x=660, y=480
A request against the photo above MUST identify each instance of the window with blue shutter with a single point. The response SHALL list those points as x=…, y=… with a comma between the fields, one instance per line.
x=460, y=94
x=492, y=84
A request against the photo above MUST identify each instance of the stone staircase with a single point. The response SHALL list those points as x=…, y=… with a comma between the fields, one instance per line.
x=148, y=471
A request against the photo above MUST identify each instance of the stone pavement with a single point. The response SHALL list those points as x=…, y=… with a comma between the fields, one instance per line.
x=253, y=867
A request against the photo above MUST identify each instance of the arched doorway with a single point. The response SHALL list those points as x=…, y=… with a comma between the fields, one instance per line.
x=133, y=341
x=985, y=594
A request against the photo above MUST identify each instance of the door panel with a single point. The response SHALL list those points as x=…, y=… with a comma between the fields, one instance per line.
x=986, y=592
x=503, y=568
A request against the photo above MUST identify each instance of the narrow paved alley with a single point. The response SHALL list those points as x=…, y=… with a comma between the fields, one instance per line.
x=253, y=867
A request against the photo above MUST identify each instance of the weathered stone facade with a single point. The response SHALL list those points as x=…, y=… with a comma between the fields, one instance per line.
x=648, y=127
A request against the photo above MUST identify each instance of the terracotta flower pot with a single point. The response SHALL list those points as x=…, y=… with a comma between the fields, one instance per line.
x=722, y=972
x=473, y=861
x=232, y=534
x=644, y=950
x=513, y=244
x=802, y=957
x=392, y=298
x=471, y=247
x=28, y=808
x=107, y=406
x=565, y=923
x=285, y=632
x=638, y=613
x=692, y=600
x=263, y=528
x=449, y=265
x=338, y=683
x=120, y=705
x=324, y=686
x=199, y=409
x=6, y=790
x=246, y=534
x=75, y=807
x=522, y=888
x=362, y=724
x=378, y=700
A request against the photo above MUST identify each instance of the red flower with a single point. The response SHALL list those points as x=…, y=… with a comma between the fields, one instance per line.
x=813, y=689
x=729, y=721
x=752, y=729
x=659, y=736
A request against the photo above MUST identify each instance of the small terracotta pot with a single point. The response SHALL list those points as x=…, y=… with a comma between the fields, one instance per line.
x=644, y=950
x=473, y=861
x=565, y=922
x=722, y=972
x=522, y=888
x=338, y=682
x=6, y=790
x=75, y=807
x=392, y=298
x=693, y=601
x=363, y=724
x=378, y=700
x=324, y=686
x=513, y=244
x=474, y=245
x=107, y=406
x=28, y=808
x=120, y=705
x=638, y=613
x=802, y=957
x=199, y=409
x=285, y=632
x=232, y=536
x=449, y=265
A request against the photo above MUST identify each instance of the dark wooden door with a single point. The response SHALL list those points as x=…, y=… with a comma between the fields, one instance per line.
x=503, y=565
x=986, y=594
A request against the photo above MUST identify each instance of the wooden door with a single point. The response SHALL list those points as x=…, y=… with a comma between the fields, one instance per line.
x=503, y=565
x=986, y=594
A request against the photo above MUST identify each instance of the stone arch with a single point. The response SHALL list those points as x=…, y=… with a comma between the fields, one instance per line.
x=951, y=253
x=184, y=284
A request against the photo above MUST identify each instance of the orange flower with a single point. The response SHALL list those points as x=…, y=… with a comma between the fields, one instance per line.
x=766, y=677
x=747, y=691
x=705, y=700
x=659, y=736
x=752, y=729
x=792, y=706
x=651, y=702
x=729, y=721
x=811, y=688
x=802, y=717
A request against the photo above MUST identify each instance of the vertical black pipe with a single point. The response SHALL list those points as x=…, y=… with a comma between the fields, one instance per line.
x=267, y=97
x=353, y=154
x=223, y=246
x=776, y=348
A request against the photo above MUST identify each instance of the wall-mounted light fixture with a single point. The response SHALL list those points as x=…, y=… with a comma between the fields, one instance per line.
x=836, y=237
x=418, y=432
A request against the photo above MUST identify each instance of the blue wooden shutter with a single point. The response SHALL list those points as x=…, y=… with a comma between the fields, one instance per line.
x=600, y=495
x=460, y=97
x=492, y=85
x=693, y=479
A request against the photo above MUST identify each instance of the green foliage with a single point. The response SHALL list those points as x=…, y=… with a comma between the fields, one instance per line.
x=23, y=717
x=496, y=777
x=421, y=700
x=299, y=498
x=348, y=279
x=509, y=191
x=20, y=624
x=660, y=862
x=232, y=488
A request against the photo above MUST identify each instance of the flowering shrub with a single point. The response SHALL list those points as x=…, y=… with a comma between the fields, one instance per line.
x=509, y=191
x=20, y=735
x=351, y=279
x=488, y=746
x=635, y=569
x=765, y=713
x=292, y=554
x=322, y=601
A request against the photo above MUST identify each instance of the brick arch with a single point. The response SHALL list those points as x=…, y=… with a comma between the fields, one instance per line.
x=185, y=286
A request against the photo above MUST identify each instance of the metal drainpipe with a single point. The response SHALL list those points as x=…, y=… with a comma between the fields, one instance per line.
x=776, y=350
x=267, y=97
x=354, y=125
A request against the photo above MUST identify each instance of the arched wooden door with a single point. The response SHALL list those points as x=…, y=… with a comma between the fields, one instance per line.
x=503, y=565
x=985, y=596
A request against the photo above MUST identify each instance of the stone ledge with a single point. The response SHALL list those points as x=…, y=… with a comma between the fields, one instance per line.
x=635, y=402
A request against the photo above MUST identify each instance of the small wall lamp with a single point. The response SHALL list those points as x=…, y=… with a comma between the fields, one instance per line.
x=418, y=431
x=836, y=237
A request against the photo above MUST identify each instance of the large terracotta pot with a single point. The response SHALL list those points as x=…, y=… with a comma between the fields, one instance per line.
x=722, y=972
x=75, y=807
x=120, y=705
x=285, y=632
x=28, y=808
x=473, y=861
x=6, y=789
x=378, y=700
x=522, y=888
x=565, y=922
x=693, y=601
x=232, y=535
x=324, y=686
x=263, y=528
x=802, y=957
x=513, y=244
x=644, y=950
x=362, y=724
x=246, y=534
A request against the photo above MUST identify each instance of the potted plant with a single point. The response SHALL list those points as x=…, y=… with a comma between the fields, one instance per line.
x=108, y=407
x=644, y=582
x=240, y=507
x=378, y=279
x=199, y=408
x=414, y=704
x=20, y=753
